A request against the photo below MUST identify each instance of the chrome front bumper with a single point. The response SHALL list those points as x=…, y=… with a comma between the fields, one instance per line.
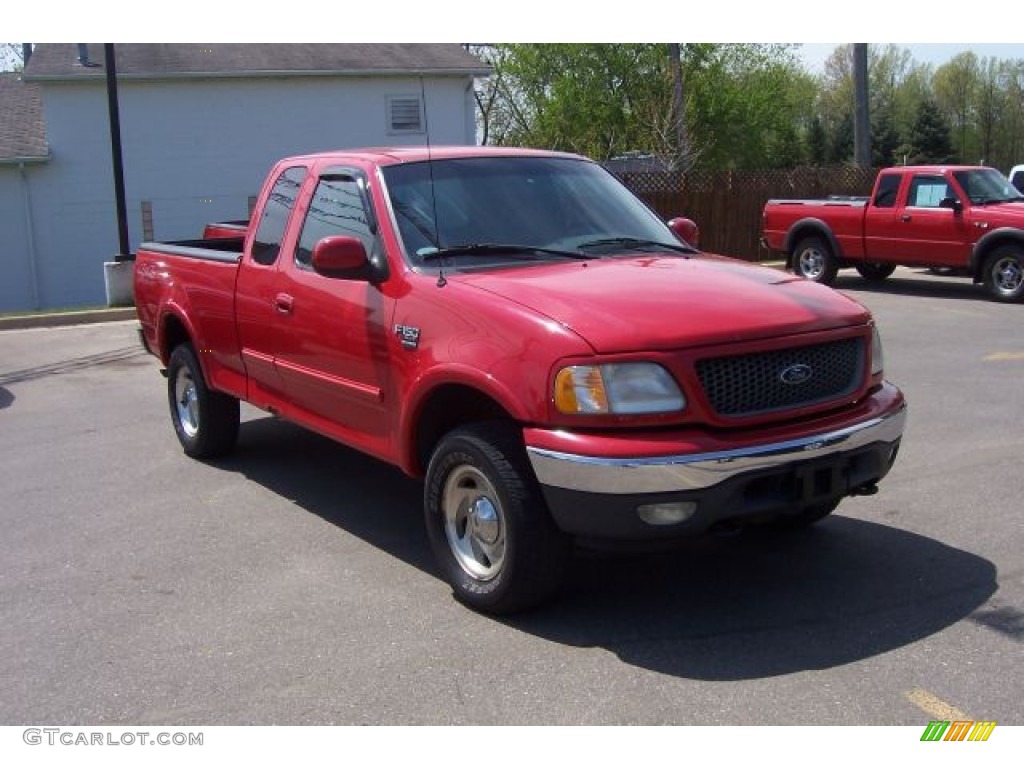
x=695, y=472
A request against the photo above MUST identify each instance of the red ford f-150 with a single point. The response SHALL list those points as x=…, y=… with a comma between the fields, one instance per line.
x=966, y=218
x=519, y=330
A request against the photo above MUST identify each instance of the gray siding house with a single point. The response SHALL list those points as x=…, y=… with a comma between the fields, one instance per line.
x=200, y=125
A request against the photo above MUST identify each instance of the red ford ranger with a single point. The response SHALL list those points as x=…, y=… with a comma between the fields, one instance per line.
x=967, y=218
x=519, y=330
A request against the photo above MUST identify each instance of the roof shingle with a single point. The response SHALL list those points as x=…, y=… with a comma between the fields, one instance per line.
x=60, y=60
x=22, y=133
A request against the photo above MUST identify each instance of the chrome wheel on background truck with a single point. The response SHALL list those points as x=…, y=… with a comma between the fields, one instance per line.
x=813, y=259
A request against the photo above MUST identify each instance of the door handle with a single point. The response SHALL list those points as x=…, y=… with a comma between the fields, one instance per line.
x=284, y=303
x=905, y=217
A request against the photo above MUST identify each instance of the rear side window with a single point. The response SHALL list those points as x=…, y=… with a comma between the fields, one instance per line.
x=888, y=185
x=929, y=191
x=267, y=241
x=337, y=208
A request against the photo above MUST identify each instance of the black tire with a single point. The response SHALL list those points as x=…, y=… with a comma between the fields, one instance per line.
x=487, y=521
x=1003, y=273
x=205, y=421
x=874, y=271
x=812, y=259
x=802, y=519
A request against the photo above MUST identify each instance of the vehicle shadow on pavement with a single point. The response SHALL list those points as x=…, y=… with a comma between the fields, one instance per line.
x=6, y=397
x=363, y=496
x=740, y=607
x=757, y=605
x=916, y=283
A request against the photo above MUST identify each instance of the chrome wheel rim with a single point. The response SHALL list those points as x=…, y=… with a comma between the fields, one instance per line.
x=474, y=522
x=812, y=263
x=1007, y=274
x=186, y=402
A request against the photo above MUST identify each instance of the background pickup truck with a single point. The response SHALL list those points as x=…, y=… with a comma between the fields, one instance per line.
x=965, y=218
x=517, y=329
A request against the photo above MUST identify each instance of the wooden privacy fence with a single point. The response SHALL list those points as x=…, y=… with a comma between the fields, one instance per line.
x=727, y=205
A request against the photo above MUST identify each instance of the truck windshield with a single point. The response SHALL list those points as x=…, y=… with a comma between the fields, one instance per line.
x=546, y=205
x=987, y=185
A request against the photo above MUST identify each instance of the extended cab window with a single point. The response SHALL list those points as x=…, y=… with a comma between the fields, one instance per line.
x=929, y=191
x=888, y=185
x=337, y=208
x=267, y=241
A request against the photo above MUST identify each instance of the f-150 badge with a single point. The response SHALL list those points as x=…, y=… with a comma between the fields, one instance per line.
x=410, y=335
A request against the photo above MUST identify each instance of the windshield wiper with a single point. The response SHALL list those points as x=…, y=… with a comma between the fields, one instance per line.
x=502, y=249
x=636, y=242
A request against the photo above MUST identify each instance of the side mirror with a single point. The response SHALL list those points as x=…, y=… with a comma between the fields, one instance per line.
x=686, y=230
x=340, y=256
x=952, y=202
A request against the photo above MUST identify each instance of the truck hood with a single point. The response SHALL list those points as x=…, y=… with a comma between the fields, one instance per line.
x=667, y=302
x=1000, y=214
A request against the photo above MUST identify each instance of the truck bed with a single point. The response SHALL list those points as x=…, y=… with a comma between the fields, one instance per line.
x=832, y=200
x=198, y=276
x=227, y=249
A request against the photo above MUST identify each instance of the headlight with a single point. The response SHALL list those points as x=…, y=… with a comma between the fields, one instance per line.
x=633, y=388
x=876, y=352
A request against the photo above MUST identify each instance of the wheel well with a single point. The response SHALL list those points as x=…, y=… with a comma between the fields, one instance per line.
x=804, y=231
x=174, y=333
x=990, y=246
x=448, y=407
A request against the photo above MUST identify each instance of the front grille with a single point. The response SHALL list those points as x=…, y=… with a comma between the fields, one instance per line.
x=745, y=385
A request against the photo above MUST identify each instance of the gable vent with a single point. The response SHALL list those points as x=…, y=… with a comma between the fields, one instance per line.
x=405, y=114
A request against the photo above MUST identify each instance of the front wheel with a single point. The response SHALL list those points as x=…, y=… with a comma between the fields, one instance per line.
x=812, y=258
x=1004, y=273
x=874, y=271
x=487, y=521
x=205, y=421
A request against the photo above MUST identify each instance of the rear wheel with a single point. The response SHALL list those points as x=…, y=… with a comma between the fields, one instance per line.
x=487, y=521
x=812, y=258
x=205, y=421
x=874, y=271
x=1004, y=273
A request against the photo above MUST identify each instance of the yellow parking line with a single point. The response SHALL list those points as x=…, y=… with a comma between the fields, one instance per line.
x=999, y=357
x=933, y=706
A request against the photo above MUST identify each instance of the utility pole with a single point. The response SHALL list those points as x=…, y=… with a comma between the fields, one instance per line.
x=861, y=117
x=678, y=106
x=115, y=152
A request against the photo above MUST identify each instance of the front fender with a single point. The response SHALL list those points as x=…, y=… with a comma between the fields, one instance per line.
x=421, y=389
x=989, y=241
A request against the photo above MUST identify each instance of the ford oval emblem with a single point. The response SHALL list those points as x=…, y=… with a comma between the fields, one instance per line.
x=796, y=374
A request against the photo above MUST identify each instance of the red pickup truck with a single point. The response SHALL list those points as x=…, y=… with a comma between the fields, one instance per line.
x=966, y=218
x=519, y=330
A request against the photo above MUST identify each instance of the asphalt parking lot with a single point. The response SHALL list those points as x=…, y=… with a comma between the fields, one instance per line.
x=292, y=583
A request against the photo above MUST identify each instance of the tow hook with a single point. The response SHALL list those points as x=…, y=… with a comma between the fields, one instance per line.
x=865, y=490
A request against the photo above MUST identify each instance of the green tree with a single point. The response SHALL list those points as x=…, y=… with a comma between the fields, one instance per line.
x=817, y=149
x=956, y=86
x=605, y=99
x=884, y=137
x=841, y=148
x=991, y=107
x=930, y=136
